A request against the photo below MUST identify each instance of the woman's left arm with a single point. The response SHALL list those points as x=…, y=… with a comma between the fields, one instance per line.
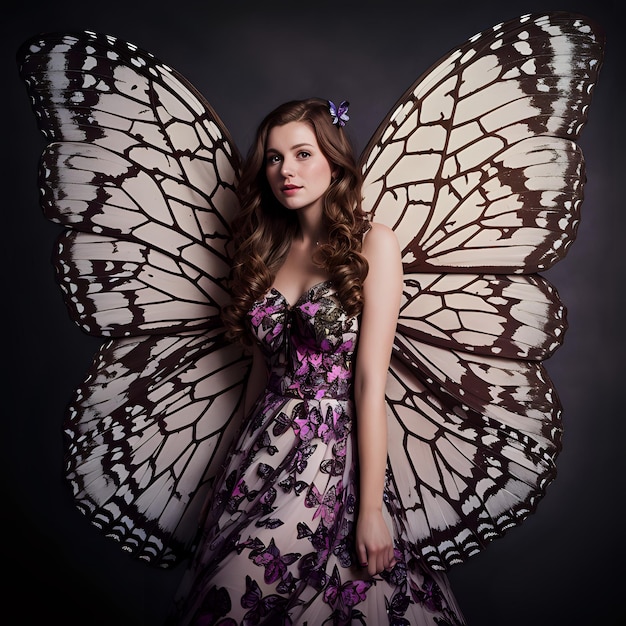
x=382, y=291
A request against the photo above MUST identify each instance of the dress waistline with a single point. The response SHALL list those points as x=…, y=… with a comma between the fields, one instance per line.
x=315, y=395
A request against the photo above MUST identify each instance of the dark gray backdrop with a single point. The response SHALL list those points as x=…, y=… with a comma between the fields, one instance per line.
x=564, y=564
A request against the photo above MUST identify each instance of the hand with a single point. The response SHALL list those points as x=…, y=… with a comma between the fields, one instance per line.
x=374, y=547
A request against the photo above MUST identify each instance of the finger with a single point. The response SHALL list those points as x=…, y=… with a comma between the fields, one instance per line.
x=374, y=564
x=362, y=555
x=380, y=563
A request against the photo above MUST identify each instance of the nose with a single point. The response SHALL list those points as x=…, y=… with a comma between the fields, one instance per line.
x=287, y=169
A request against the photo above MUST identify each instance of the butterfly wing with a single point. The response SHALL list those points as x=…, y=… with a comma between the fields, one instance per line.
x=140, y=172
x=478, y=172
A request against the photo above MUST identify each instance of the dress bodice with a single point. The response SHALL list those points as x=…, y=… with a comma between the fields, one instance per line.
x=309, y=346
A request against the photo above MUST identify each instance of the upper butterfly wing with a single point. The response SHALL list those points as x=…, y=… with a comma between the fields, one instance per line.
x=136, y=155
x=476, y=167
x=477, y=171
x=141, y=172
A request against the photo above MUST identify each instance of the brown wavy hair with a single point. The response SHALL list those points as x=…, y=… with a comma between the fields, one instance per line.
x=264, y=229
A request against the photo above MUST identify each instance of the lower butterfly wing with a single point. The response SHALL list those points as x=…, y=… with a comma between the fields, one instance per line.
x=474, y=426
x=478, y=172
x=458, y=477
x=141, y=173
x=146, y=434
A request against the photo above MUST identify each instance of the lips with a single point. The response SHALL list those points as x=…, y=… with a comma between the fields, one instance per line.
x=290, y=189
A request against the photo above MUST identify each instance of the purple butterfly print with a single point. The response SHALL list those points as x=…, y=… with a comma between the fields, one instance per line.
x=264, y=470
x=239, y=493
x=267, y=499
x=342, y=597
x=337, y=371
x=264, y=442
x=329, y=503
x=303, y=530
x=302, y=456
x=281, y=424
x=287, y=585
x=312, y=571
x=260, y=606
x=255, y=545
x=396, y=608
x=310, y=424
x=341, y=426
x=334, y=467
x=310, y=308
x=261, y=313
x=320, y=540
x=264, y=507
x=398, y=574
x=275, y=564
x=337, y=464
x=339, y=114
x=290, y=483
x=344, y=552
x=272, y=523
x=429, y=595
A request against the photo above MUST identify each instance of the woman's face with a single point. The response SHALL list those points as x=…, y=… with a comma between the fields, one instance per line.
x=297, y=171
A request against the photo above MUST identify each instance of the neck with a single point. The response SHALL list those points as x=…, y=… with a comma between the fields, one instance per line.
x=312, y=229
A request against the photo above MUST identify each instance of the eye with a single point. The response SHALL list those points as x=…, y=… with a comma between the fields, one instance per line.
x=272, y=159
x=303, y=154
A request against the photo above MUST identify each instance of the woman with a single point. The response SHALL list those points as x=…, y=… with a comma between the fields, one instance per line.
x=297, y=531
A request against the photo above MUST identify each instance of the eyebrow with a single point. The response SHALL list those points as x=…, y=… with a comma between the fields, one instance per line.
x=295, y=147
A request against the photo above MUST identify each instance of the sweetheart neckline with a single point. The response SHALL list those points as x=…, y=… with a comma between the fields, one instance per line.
x=303, y=295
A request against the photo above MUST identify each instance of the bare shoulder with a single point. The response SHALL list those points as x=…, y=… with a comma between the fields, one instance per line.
x=382, y=297
x=380, y=240
x=382, y=251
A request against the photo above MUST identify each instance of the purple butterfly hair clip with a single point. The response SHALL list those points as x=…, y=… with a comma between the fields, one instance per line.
x=339, y=114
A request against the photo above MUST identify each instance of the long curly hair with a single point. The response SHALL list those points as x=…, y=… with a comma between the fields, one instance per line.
x=264, y=229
